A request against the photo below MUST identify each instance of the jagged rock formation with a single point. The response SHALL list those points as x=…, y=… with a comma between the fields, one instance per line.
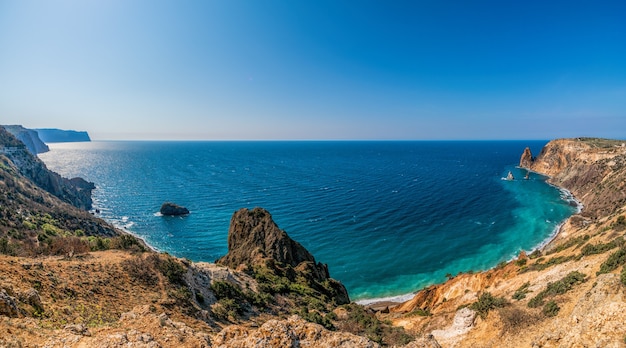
x=29, y=137
x=527, y=158
x=172, y=209
x=76, y=192
x=255, y=239
x=53, y=135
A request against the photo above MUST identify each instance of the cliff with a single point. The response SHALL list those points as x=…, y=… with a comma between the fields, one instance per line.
x=592, y=169
x=29, y=137
x=53, y=135
x=571, y=293
x=76, y=191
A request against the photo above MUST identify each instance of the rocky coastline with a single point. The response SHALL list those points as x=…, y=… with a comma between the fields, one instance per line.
x=269, y=291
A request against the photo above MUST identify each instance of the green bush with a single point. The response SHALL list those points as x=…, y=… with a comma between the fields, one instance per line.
x=578, y=241
x=592, y=249
x=487, y=302
x=623, y=276
x=551, y=309
x=521, y=292
x=127, y=242
x=224, y=289
x=171, y=268
x=557, y=288
x=6, y=247
x=615, y=260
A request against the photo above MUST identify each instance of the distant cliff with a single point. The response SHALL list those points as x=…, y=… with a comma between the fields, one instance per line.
x=53, y=135
x=76, y=192
x=592, y=169
x=29, y=137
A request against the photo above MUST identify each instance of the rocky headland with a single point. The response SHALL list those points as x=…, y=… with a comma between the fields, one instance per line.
x=69, y=279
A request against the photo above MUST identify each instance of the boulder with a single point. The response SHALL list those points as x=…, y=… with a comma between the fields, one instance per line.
x=8, y=305
x=31, y=297
x=172, y=209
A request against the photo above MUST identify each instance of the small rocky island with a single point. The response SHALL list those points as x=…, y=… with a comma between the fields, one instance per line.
x=173, y=209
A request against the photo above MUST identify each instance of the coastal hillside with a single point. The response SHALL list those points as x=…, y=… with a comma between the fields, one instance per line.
x=570, y=293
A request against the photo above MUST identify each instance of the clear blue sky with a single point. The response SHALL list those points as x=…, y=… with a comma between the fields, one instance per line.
x=296, y=69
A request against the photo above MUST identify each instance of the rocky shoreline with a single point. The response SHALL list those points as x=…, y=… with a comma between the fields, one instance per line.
x=270, y=292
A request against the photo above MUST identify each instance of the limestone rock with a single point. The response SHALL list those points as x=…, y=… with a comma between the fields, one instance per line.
x=172, y=209
x=427, y=341
x=463, y=323
x=597, y=319
x=293, y=332
x=78, y=329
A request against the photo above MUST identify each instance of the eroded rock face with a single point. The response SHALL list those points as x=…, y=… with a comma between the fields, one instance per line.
x=255, y=239
x=172, y=209
x=592, y=169
x=76, y=192
x=526, y=161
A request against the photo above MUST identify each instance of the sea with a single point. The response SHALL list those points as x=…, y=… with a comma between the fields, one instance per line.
x=388, y=217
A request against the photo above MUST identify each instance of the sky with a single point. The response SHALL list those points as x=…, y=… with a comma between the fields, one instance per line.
x=318, y=70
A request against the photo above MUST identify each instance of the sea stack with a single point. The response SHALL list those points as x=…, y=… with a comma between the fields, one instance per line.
x=172, y=209
x=255, y=240
x=527, y=158
x=510, y=176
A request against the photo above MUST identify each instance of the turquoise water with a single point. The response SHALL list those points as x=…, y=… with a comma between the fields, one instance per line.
x=387, y=217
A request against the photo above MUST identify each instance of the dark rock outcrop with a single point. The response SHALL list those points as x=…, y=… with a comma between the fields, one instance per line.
x=29, y=137
x=53, y=135
x=255, y=239
x=172, y=209
x=527, y=159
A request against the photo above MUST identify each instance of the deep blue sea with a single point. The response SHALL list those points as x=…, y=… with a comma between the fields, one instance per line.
x=387, y=217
